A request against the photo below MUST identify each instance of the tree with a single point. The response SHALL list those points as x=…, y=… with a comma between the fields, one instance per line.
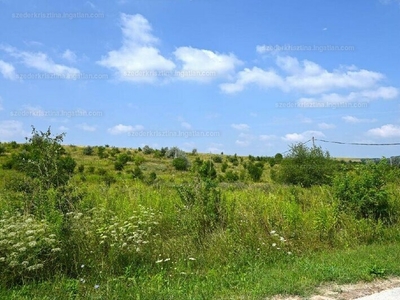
x=305, y=166
x=45, y=160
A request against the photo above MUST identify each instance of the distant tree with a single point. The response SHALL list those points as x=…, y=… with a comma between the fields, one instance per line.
x=305, y=166
x=88, y=150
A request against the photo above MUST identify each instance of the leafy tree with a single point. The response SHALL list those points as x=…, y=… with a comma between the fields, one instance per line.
x=305, y=166
x=147, y=150
x=2, y=149
x=255, y=171
x=45, y=160
x=175, y=152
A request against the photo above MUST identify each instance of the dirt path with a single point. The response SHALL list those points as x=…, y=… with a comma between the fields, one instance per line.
x=348, y=291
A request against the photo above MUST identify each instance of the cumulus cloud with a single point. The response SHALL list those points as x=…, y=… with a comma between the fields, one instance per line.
x=204, y=65
x=385, y=131
x=307, y=77
x=240, y=126
x=120, y=129
x=138, y=59
x=254, y=76
x=41, y=62
x=302, y=137
x=7, y=70
x=69, y=56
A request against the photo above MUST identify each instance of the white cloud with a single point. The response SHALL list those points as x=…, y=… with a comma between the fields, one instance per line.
x=11, y=130
x=302, y=137
x=120, y=129
x=204, y=65
x=86, y=127
x=326, y=126
x=240, y=126
x=138, y=59
x=257, y=76
x=385, y=131
x=354, y=120
x=69, y=56
x=40, y=61
x=7, y=70
x=186, y=125
x=242, y=143
x=307, y=77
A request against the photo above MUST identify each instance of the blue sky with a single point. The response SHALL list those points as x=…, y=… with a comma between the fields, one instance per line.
x=245, y=77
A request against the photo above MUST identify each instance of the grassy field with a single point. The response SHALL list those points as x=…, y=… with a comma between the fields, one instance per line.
x=174, y=236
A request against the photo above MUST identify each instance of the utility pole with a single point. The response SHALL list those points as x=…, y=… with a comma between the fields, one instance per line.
x=313, y=142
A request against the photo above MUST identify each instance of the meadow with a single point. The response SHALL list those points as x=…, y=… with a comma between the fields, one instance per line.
x=116, y=223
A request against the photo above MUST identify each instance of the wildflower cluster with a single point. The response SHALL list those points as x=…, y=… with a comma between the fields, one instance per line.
x=279, y=242
x=127, y=235
x=27, y=247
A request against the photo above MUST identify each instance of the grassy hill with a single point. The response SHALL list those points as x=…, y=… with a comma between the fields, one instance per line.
x=160, y=233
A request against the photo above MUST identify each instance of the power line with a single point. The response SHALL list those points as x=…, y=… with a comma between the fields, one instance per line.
x=301, y=144
x=359, y=144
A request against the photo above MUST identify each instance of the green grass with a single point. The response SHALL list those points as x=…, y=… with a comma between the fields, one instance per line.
x=251, y=279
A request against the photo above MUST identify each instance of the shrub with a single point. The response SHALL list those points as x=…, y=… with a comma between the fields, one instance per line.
x=207, y=170
x=81, y=168
x=181, y=163
x=45, y=160
x=88, y=150
x=363, y=191
x=305, y=166
x=137, y=173
x=255, y=171
x=217, y=159
x=231, y=176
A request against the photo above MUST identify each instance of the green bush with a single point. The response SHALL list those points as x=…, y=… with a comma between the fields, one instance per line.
x=88, y=150
x=364, y=192
x=255, y=171
x=305, y=167
x=181, y=163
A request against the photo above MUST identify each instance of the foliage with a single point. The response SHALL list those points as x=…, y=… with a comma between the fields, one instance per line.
x=45, y=160
x=175, y=152
x=305, y=166
x=207, y=170
x=217, y=158
x=364, y=192
x=255, y=171
x=181, y=163
x=88, y=150
x=147, y=150
x=2, y=149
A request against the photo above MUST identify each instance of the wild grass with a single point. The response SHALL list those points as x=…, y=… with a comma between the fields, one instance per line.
x=180, y=238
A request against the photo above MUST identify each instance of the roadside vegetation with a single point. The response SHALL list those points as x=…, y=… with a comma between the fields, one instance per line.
x=113, y=223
